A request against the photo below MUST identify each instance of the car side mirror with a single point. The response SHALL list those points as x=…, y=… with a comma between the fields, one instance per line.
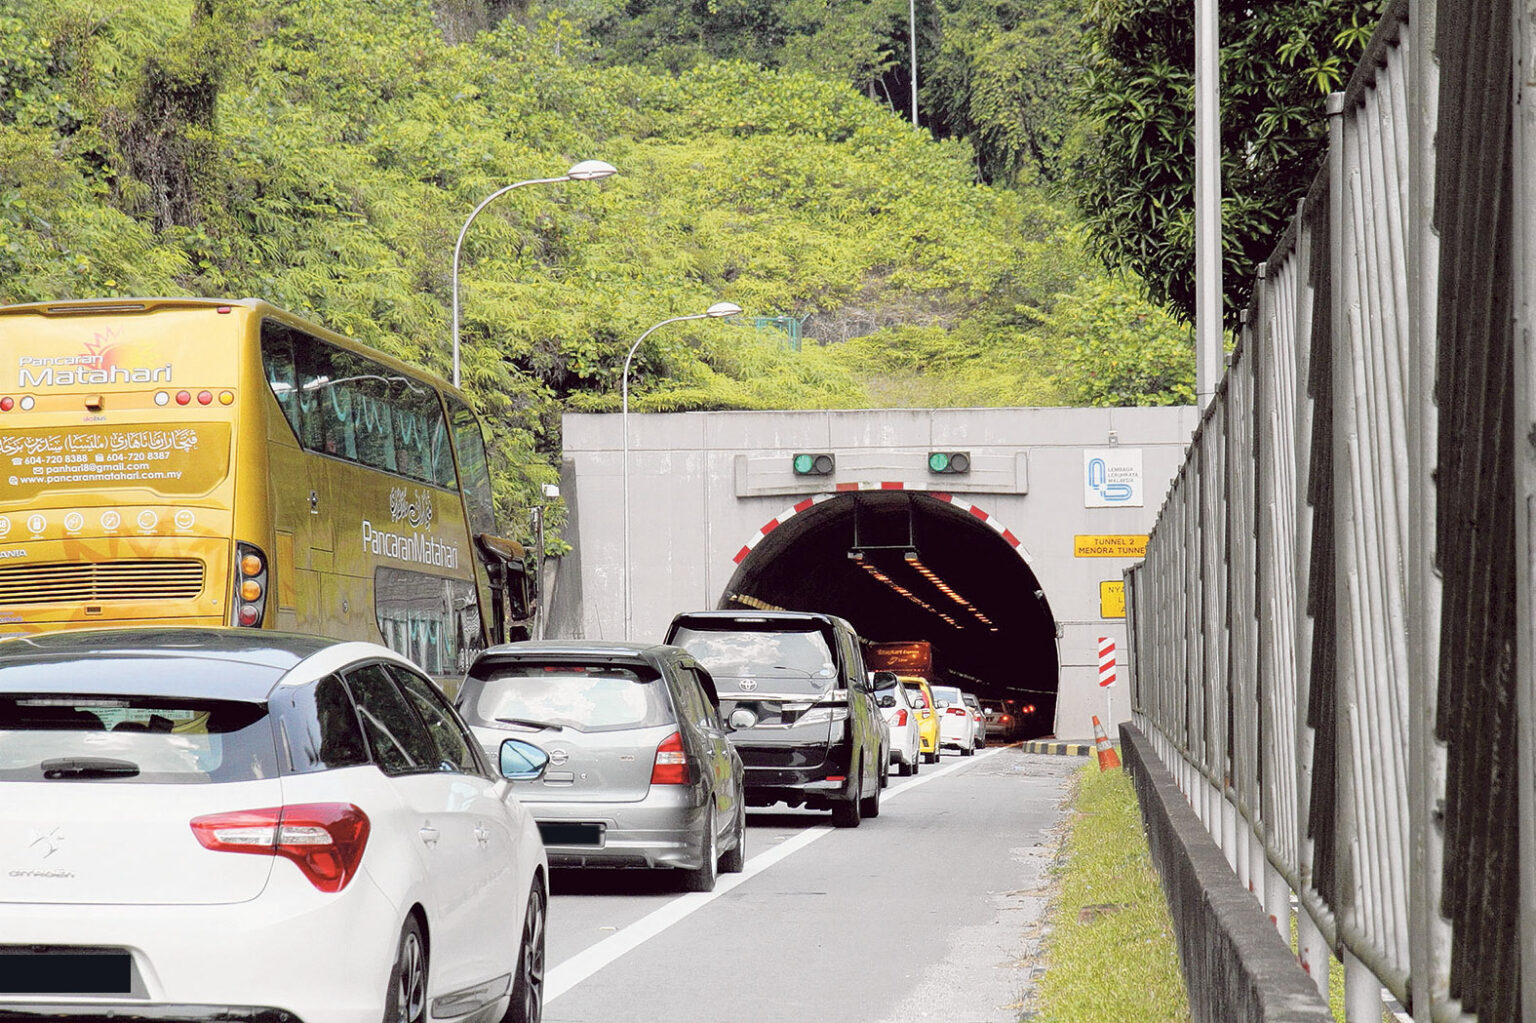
x=942, y=704
x=522, y=761
x=887, y=701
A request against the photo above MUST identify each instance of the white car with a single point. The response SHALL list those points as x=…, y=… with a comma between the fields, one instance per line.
x=900, y=714
x=957, y=726
x=203, y=823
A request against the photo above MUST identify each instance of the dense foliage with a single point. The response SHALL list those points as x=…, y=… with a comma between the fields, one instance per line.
x=324, y=154
x=1136, y=183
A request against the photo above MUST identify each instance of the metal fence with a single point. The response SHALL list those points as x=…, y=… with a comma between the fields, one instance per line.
x=1331, y=631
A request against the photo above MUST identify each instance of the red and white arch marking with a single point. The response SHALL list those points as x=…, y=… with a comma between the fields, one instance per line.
x=845, y=488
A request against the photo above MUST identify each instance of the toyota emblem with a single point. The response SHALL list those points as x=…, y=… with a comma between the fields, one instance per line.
x=747, y=684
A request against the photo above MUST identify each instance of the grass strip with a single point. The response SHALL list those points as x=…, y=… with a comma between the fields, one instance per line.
x=1111, y=953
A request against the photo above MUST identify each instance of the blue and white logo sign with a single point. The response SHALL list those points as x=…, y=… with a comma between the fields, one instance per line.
x=1112, y=478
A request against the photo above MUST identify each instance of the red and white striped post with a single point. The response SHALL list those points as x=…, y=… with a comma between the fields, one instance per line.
x=1107, y=676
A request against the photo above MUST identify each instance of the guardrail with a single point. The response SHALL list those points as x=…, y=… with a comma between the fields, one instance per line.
x=1331, y=632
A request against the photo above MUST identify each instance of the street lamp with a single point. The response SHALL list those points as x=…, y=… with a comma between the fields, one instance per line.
x=586, y=170
x=716, y=311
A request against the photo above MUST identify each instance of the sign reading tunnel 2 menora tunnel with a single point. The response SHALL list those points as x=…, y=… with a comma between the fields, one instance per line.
x=999, y=566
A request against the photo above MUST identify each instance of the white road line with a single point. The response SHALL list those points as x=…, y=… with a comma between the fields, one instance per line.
x=588, y=961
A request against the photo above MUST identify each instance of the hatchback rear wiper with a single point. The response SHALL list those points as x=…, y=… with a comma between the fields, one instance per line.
x=89, y=767
x=530, y=723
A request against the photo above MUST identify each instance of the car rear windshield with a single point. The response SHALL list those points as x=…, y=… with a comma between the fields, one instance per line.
x=583, y=697
x=144, y=739
x=796, y=660
x=944, y=694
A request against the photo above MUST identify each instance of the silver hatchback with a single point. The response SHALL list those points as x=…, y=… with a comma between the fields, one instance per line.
x=640, y=770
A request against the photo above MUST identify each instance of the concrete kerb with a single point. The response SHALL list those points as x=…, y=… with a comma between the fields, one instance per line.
x=1060, y=749
x=1236, y=967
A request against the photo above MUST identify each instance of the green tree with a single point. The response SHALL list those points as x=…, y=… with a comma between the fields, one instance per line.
x=1135, y=185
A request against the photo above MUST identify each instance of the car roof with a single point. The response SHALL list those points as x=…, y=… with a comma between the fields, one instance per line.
x=654, y=653
x=756, y=617
x=253, y=660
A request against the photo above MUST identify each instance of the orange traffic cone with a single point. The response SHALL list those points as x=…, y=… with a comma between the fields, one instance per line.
x=1107, y=756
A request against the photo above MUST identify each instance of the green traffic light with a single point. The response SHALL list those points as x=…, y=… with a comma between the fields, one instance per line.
x=803, y=463
x=938, y=461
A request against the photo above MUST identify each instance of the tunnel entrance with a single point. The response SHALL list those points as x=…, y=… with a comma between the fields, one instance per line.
x=901, y=565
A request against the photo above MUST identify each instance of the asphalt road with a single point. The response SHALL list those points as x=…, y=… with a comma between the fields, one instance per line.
x=929, y=913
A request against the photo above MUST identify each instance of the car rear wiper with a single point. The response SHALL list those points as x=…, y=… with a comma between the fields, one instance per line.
x=530, y=723
x=89, y=767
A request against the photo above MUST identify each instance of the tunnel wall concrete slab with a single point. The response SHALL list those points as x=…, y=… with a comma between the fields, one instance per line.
x=702, y=485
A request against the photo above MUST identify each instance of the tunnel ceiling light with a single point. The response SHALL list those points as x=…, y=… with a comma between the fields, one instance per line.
x=945, y=462
x=886, y=580
x=747, y=600
x=944, y=588
x=814, y=464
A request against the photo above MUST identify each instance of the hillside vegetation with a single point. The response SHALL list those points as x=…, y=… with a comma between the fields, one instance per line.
x=324, y=154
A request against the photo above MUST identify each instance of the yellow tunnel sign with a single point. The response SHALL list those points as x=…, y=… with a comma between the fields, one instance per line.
x=1128, y=546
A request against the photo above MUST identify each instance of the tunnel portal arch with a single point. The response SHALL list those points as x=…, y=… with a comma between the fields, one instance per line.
x=901, y=564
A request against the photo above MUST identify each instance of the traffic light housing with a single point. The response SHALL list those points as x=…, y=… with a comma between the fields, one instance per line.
x=814, y=464
x=946, y=462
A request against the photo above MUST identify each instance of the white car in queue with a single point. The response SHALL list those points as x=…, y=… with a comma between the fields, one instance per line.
x=900, y=713
x=957, y=727
x=201, y=823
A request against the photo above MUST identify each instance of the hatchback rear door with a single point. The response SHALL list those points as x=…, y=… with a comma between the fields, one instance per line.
x=98, y=795
x=599, y=722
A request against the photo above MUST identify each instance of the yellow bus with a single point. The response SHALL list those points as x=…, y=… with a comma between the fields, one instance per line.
x=194, y=461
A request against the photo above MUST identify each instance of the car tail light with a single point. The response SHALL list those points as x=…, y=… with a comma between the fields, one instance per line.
x=326, y=840
x=901, y=719
x=250, y=604
x=956, y=711
x=672, y=766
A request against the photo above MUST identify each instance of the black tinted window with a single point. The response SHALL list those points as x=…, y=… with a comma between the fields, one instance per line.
x=453, y=746
x=399, y=740
x=319, y=727
x=127, y=739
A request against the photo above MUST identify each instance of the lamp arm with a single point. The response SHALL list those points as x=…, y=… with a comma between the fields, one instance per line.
x=459, y=245
x=636, y=347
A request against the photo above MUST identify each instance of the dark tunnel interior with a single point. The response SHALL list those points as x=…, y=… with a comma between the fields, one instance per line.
x=853, y=555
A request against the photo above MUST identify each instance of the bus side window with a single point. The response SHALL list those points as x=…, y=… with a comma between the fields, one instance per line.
x=474, y=471
x=282, y=375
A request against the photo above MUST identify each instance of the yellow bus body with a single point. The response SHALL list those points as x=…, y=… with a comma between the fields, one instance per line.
x=143, y=442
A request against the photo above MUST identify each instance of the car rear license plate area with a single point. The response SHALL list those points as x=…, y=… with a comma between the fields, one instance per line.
x=33, y=970
x=555, y=833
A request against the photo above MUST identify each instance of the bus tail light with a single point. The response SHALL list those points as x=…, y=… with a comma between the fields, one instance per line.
x=250, y=603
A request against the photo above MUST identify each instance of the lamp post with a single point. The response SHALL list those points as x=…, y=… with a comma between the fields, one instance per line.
x=716, y=311
x=586, y=170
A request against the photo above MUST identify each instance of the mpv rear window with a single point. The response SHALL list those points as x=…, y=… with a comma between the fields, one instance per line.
x=586, y=698
x=791, y=659
x=128, y=739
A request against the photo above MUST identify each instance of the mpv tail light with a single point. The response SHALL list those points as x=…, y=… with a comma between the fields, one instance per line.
x=672, y=766
x=326, y=840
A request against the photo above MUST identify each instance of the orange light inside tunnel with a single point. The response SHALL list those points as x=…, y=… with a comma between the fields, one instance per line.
x=944, y=588
x=881, y=577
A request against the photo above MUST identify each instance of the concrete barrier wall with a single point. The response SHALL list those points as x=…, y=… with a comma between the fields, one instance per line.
x=1236, y=967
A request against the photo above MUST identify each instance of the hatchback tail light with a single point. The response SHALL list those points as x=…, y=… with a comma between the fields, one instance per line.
x=901, y=719
x=326, y=840
x=672, y=766
x=959, y=712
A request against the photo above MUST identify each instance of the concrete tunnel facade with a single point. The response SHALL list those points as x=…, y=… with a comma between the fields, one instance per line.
x=1000, y=568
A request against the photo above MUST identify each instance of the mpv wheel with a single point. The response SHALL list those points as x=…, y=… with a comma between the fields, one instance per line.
x=407, y=998
x=528, y=985
x=703, y=879
x=848, y=814
x=871, y=807
x=734, y=861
